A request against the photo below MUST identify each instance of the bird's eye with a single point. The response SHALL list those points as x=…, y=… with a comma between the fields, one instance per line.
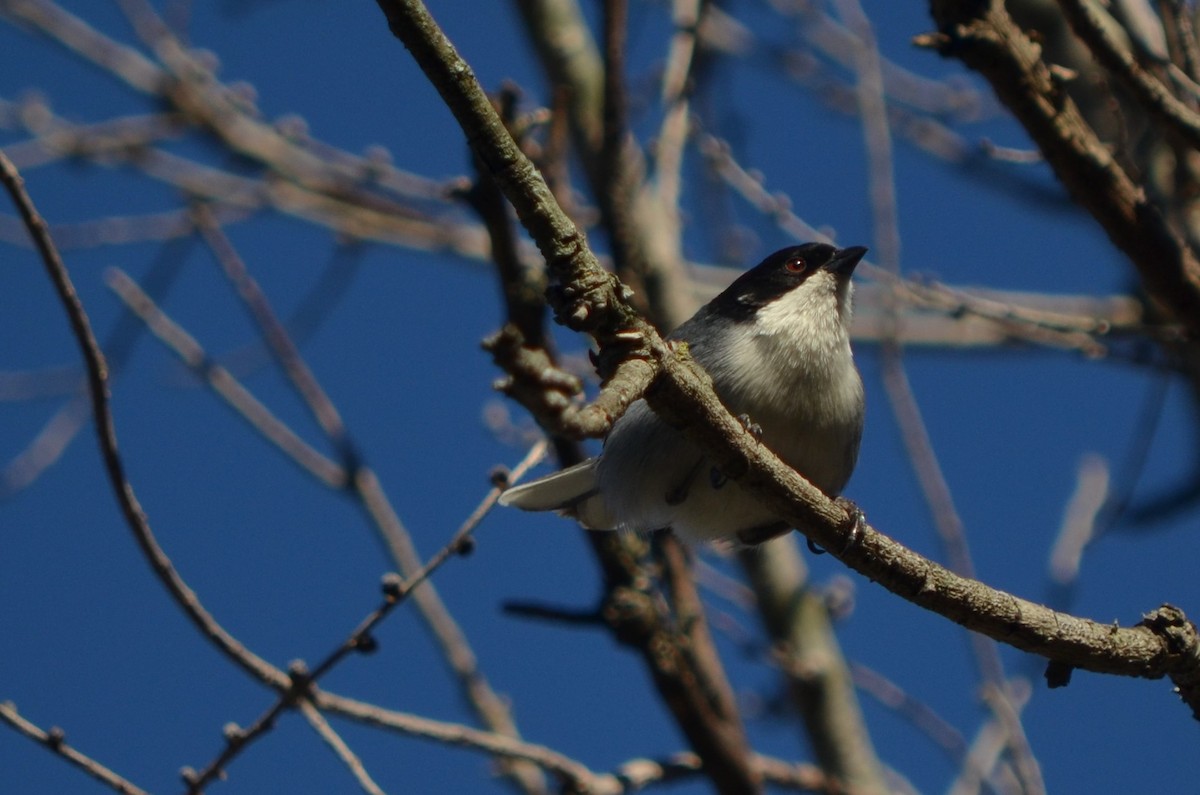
x=796, y=265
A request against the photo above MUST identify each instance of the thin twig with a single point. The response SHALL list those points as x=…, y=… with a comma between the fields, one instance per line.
x=617, y=187
x=362, y=483
x=55, y=741
x=907, y=413
x=97, y=381
x=523, y=286
x=120, y=229
x=339, y=747
x=987, y=750
x=806, y=650
x=662, y=236
x=1005, y=320
x=59, y=431
x=364, y=196
x=221, y=381
x=1144, y=430
x=277, y=337
x=313, y=308
x=716, y=731
x=1079, y=524
x=577, y=778
x=682, y=59
x=97, y=376
x=459, y=543
x=1181, y=39
x=919, y=714
x=302, y=680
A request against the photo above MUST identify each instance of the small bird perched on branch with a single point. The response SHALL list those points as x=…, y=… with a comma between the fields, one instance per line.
x=776, y=344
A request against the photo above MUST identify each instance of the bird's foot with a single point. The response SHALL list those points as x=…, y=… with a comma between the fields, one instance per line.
x=752, y=427
x=716, y=477
x=856, y=530
x=859, y=523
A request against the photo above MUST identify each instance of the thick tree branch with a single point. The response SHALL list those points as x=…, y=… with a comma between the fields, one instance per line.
x=588, y=299
x=674, y=641
x=1165, y=643
x=523, y=284
x=644, y=240
x=1149, y=91
x=797, y=620
x=986, y=38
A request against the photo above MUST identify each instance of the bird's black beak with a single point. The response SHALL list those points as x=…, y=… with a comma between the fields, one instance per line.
x=845, y=259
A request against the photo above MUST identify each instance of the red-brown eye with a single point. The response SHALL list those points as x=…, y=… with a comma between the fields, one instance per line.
x=796, y=265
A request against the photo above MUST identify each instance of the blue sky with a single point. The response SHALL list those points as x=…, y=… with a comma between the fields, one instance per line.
x=92, y=643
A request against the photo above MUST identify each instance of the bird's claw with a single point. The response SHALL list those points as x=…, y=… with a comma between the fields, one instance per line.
x=752, y=427
x=856, y=530
x=716, y=477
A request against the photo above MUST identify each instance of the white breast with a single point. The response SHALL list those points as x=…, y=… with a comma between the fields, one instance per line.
x=794, y=379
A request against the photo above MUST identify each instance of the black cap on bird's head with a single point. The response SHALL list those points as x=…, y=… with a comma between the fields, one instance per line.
x=782, y=272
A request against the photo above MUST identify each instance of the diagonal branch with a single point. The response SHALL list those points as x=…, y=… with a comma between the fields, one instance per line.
x=1150, y=92
x=335, y=742
x=224, y=383
x=576, y=777
x=985, y=38
x=97, y=379
x=1165, y=643
x=906, y=411
x=54, y=739
x=301, y=681
x=589, y=299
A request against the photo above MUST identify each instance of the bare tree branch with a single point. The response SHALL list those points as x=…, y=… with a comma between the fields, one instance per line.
x=292, y=684
x=1165, y=643
x=817, y=676
x=339, y=747
x=986, y=39
x=301, y=681
x=55, y=741
x=204, y=140
x=1150, y=92
x=221, y=381
x=97, y=377
x=885, y=217
x=575, y=776
x=598, y=305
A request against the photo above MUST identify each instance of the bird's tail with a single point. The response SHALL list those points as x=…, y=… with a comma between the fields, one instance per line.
x=558, y=492
x=572, y=491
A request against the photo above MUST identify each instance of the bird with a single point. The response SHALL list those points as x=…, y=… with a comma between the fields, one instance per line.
x=776, y=344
